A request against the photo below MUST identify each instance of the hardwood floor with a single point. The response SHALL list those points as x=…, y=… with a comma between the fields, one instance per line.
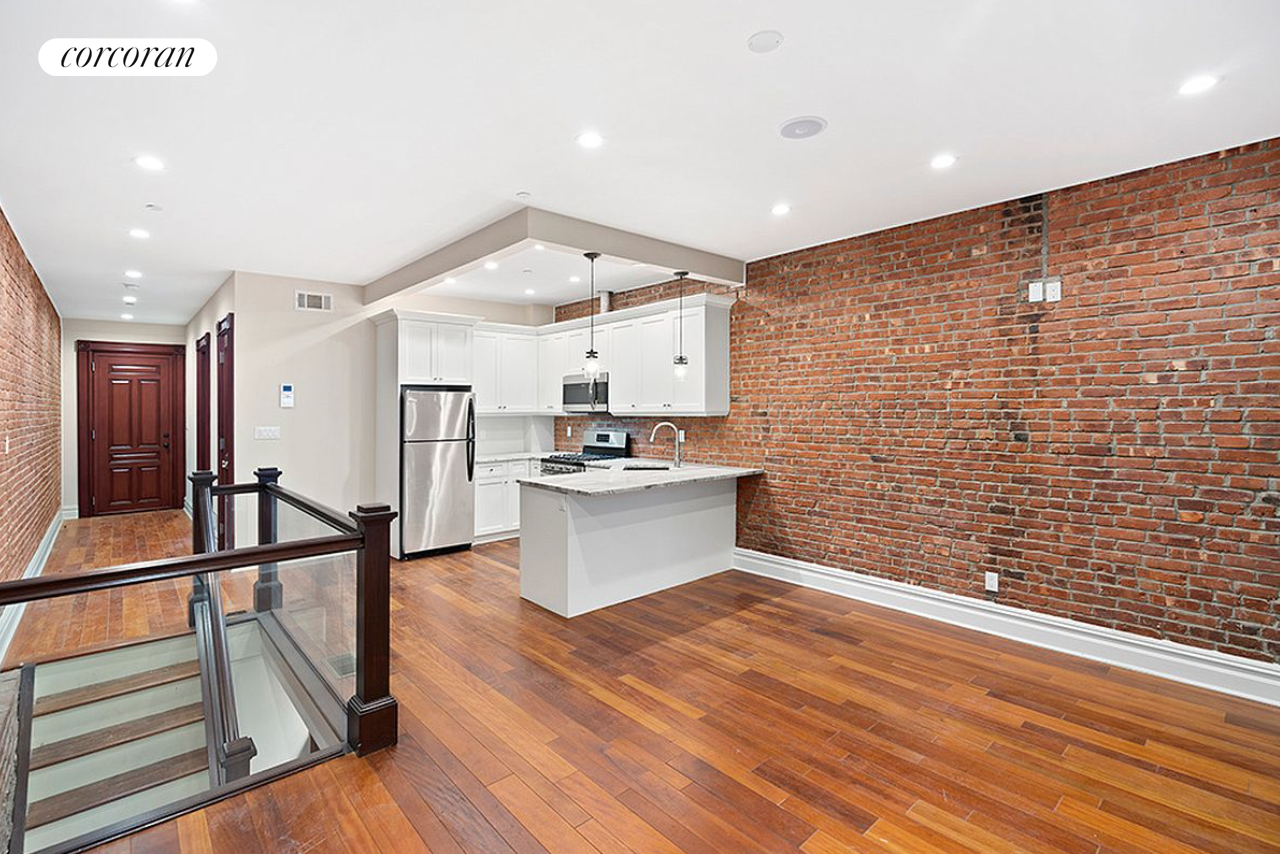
x=739, y=714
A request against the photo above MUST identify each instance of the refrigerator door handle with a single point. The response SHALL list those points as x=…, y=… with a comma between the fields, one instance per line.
x=471, y=439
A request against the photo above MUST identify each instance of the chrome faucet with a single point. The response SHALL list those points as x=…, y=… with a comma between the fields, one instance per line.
x=679, y=438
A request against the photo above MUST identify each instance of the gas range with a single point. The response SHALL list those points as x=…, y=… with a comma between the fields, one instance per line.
x=600, y=446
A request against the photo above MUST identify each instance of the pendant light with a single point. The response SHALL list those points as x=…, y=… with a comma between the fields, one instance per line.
x=592, y=364
x=681, y=361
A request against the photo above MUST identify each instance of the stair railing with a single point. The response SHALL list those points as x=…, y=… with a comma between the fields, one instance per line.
x=230, y=752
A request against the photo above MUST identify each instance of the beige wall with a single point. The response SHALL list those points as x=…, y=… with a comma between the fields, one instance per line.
x=96, y=330
x=326, y=445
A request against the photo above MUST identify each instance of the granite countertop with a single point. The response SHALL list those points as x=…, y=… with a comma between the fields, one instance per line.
x=514, y=455
x=614, y=480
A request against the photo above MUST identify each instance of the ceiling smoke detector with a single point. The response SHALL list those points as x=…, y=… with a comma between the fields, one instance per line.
x=153, y=207
x=764, y=41
x=803, y=127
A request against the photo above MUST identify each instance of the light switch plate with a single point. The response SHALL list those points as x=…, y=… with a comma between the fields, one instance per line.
x=1035, y=291
x=1052, y=290
x=992, y=584
x=266, y=432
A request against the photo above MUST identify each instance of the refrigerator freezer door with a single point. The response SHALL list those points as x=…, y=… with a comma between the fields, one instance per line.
x=439, y=496
x=436, y=415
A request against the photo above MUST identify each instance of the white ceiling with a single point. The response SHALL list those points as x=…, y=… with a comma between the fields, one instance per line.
x=548, y=272
x=339, y=140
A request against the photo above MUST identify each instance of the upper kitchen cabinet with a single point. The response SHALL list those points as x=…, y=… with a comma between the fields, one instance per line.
x=553, y=364
x=642, y=377
x=505, y=369
x=431, y=352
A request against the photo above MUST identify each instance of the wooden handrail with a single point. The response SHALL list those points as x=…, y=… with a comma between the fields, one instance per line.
x=49, y=586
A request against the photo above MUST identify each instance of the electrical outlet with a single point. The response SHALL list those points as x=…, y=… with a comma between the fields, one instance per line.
x=992, y=584
x=1052, y=290
x=681, y=437
x=6, y=444
x=1035, y=291
x=266, y=432
x=568, y=431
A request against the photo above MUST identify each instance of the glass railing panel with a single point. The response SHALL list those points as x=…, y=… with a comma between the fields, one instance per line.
x=318, y=601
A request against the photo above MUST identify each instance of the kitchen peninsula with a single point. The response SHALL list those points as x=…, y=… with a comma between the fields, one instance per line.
x=596, y=538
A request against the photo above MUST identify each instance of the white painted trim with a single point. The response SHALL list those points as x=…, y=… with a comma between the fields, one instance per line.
x=1230, y=674
x=12, y=615
x=70, y=511
x=497, y=536
x=186, y=507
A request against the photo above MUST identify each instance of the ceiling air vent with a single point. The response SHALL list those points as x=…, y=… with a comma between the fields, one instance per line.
x=304, y=301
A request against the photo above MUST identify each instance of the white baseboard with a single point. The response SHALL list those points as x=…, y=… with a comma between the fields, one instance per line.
x=493, y=538
x=1230, y=674
x=70, y=511
x=11, y=615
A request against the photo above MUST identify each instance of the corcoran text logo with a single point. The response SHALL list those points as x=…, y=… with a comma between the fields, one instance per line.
x=128, y=57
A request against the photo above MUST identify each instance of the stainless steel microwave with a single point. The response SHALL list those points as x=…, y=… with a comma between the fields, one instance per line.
x=583, y=393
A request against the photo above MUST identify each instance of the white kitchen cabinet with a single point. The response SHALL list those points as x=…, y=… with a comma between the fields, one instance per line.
x=498, y=498
x=656, y=352
x=505, y=370
x=624, y=379
x=433, y=353
x=553, y=356
x=579, y=341
x=486, y=382
x=642, y=368
x=493, y=505
x=518, y=373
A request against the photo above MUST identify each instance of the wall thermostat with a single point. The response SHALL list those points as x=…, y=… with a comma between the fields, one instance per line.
x=286, y=395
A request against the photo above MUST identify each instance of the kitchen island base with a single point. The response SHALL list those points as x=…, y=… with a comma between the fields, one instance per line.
x=579, y=553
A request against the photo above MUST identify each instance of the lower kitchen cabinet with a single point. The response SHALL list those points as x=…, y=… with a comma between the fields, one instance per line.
x=498, y=498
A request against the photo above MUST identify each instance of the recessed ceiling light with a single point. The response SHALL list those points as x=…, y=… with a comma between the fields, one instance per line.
x=803, y=127
x=149, y=162
x=590, y=139
x=523, y=194
x=126, y=316
x=943, y=161
x=529, y=292
x=140, y=233
x=575, y=279
x=132, y=274
x=449, y=280
x=781, y=209
x=1199, y=83
x=153, y=207
x=491, y=265
x=539, y=247
x=129, y=299
x=764, y=41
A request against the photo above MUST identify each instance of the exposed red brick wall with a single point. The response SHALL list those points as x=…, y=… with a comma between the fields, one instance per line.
x=1114, y=456
x=639, y=296
x=30, y=394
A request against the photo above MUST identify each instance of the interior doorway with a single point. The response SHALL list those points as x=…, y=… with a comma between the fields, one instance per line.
x=131, y=426
x=203, y=403
x=226, y=429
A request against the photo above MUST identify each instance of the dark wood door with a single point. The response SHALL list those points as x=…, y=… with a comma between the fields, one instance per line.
x=132, y=424
x=226, y=470
x=203, y=405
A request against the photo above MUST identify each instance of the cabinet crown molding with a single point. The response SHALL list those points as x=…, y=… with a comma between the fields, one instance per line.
x=646, y=310
x=395, y=314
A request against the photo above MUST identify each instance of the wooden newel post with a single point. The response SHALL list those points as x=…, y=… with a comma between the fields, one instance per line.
x=372, y=712
x=267, y=591
x=201, y=536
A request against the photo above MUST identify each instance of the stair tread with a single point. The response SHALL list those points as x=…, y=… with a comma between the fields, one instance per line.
x=112, y=736
x=115, y=687
x=87, y=797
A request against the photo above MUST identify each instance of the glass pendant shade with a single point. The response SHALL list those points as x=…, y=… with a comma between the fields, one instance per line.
x=682, y=367
x=592, y=364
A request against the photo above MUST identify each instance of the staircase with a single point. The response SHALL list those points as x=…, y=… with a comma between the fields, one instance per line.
x=114, y=735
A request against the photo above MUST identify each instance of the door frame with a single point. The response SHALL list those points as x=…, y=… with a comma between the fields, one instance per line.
x=226, y=432
x=85, y=351
x=204, y=406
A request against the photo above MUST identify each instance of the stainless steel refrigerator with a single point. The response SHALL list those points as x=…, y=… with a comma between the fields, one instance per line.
x=437, y=468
